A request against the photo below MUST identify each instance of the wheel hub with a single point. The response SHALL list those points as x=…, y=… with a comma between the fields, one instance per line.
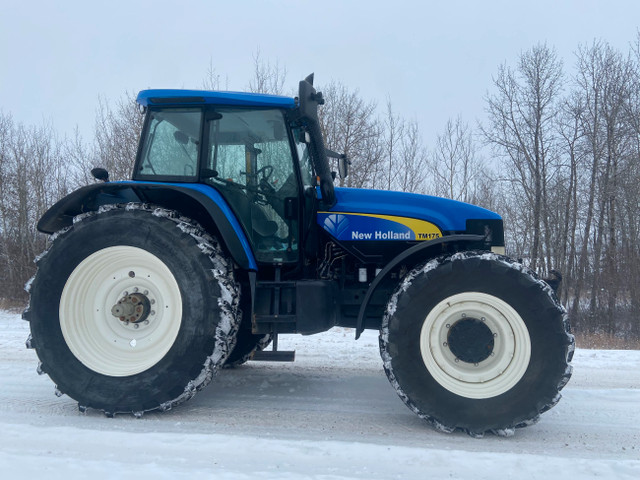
x=470, y=340
x=132, y=308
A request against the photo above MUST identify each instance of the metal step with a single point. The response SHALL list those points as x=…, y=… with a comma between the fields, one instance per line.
x=274, y=318
x=274, y=355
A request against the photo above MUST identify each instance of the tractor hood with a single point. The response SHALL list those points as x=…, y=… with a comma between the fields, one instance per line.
x=386, y=215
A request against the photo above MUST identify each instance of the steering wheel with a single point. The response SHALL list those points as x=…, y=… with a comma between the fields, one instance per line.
x=263, y=184
x=266, y=172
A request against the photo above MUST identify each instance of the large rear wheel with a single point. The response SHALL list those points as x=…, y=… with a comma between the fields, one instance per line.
x=476, y=342
x=133, y=309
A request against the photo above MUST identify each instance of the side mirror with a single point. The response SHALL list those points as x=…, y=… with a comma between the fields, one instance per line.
x=343, y=166
x=100, y=174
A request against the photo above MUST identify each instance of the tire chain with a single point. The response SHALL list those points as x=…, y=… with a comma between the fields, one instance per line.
x=433, y=264
x=222, y=270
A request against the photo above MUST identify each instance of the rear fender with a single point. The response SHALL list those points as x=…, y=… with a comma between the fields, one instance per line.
x=197, y=201
x=412, y=256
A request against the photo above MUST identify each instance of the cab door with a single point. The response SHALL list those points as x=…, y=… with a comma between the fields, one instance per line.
x=250, y=161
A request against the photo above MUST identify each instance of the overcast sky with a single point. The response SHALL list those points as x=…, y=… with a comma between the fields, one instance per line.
x=434, y=59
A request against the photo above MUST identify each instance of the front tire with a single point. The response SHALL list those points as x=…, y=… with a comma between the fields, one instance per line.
x=476, y=342
x=133, y=309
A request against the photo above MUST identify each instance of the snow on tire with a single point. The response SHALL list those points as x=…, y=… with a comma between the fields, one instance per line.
x=132, y=309
x=477, y=342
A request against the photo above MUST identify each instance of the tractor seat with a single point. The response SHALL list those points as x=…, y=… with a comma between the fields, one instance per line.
x=261, y=224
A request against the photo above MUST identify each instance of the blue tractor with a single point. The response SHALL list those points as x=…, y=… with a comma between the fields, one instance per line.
x=231, y=232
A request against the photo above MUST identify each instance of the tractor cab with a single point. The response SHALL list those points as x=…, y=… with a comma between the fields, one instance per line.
x=250, y=154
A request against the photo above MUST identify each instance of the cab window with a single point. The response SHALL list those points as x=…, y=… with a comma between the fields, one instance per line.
x=304, y=155
x=170, y=145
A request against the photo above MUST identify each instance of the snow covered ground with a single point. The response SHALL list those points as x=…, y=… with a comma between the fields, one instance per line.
x=330, y=415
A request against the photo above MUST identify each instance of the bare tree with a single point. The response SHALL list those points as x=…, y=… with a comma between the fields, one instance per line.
x=6, y=263
x=631, y=193
x=212, y=80
x=569, y=127
x=267, y=77
x=116, y=136
x=521, y=125
x=454, y=164
x=350, y=126
x=412, y=163
x=80, y=159
x=32, y=176
x=393, y=136
x=603, y=83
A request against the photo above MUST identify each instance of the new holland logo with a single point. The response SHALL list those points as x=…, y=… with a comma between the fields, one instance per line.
x=379, y=235
x=336, y=225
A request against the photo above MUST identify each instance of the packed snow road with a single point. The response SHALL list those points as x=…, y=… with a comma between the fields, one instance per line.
x=330, y=415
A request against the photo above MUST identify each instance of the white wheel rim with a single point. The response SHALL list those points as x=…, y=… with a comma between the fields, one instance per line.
x=101, y=341
x=494, y=375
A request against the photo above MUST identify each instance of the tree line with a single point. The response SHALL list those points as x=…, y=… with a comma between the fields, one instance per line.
x=568, y=147
x=557, y=155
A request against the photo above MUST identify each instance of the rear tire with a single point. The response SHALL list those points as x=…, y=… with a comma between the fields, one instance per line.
x=174, y=292
x=247, y=344
x=477, y=342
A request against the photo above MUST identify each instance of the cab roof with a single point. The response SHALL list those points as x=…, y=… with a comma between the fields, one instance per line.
x=168, y=97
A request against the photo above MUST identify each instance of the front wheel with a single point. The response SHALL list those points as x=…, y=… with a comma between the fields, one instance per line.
x=476, y=342
x=133, y=309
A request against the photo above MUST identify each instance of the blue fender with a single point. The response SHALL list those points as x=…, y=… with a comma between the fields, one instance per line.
x=197, y=201
x=412, y=255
